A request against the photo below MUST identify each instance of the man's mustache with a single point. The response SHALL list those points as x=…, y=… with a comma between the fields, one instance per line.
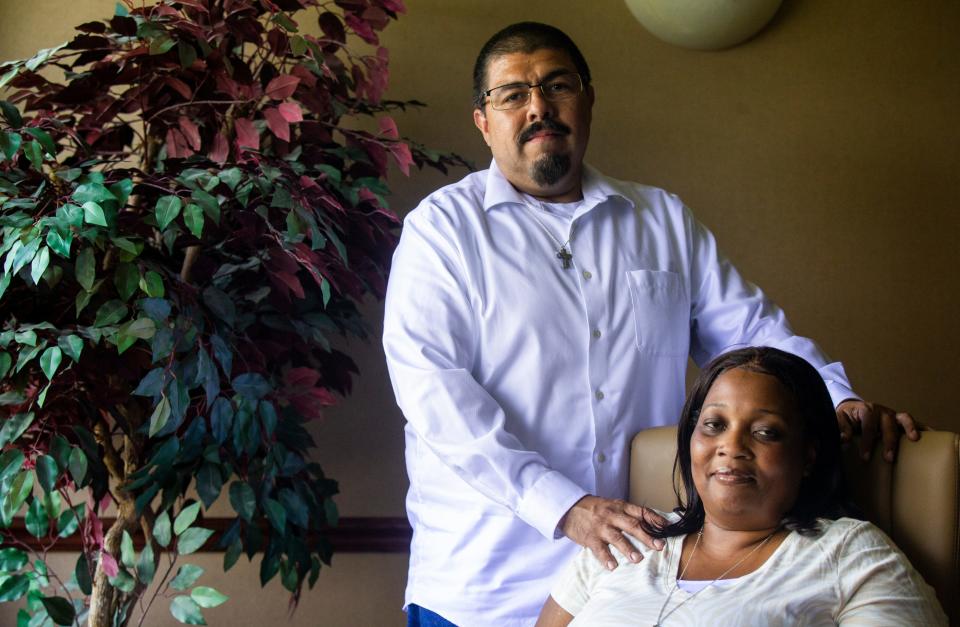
x=543, y=125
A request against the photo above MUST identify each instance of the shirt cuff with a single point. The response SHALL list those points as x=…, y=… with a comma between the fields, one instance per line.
x=547, y=500
x=839, y=393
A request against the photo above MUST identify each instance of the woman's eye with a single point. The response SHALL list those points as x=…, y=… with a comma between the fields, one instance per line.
x=767, y=434
x=712, y=425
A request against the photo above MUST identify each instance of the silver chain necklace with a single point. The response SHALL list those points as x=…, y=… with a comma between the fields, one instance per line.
x=676, y=586
x=564, y=250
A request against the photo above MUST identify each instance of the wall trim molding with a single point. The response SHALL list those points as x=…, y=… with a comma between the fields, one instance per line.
x=360, y=534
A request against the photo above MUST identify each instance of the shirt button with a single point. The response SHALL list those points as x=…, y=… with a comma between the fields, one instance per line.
x=601, y=457
x=599, y=395
x=596, y=333
x=587, y=274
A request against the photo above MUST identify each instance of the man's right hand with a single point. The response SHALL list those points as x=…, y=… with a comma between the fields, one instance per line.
x=599, y=523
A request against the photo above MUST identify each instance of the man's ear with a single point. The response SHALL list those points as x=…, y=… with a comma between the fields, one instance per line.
x=480, y=121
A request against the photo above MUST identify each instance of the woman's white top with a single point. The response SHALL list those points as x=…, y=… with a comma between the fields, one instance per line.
x=849, y=574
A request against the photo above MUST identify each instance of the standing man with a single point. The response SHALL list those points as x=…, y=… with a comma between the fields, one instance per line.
x=538, y=315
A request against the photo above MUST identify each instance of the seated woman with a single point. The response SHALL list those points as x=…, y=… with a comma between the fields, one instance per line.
x=759, y=538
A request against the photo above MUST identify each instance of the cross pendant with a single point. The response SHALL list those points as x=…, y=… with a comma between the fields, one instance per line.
x=565, y=257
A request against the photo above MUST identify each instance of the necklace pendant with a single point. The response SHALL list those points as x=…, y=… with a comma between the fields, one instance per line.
x=565, y=257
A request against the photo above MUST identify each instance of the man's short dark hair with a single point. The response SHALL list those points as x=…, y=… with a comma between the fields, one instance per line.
x=524, y=37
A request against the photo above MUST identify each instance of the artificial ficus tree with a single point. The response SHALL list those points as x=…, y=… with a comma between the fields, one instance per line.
x=188, y=218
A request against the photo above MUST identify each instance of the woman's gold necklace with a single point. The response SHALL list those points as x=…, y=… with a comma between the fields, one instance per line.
x=676, y=585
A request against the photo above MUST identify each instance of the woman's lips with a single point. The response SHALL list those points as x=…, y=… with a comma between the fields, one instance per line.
x=731, y=476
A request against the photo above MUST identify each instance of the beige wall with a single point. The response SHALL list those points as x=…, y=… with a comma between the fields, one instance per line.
x=823, y=154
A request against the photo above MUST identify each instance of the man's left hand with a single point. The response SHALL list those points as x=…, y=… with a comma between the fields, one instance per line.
x=870, y=418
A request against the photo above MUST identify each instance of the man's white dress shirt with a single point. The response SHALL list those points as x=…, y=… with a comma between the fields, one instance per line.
x=522, y=382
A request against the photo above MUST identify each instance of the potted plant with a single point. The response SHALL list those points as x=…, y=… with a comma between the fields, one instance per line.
x=187, y=219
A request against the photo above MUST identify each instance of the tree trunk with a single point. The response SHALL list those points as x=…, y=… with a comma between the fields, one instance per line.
x=105, y=600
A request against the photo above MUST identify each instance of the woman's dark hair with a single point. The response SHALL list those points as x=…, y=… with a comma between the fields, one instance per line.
x=524, y=37
x=822, y=492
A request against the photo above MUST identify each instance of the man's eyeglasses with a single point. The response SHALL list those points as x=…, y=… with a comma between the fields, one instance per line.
x=516, y=95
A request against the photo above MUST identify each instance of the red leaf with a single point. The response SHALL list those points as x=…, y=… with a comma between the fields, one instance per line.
x=376, y=17
x=247, y=135
x=401, y=152
x=306, y=77
x=227, y=85
x=332, y=27
x=361, y=28
x=301, y=377
x=292, y=282
x=109, y=564
x=291, y=112
x=190, y=131
x=282, y=86
x=177, y=145
x=220, y=149
x=277, y=123
x=394, y=5
x=388, y=128
x=180, y=87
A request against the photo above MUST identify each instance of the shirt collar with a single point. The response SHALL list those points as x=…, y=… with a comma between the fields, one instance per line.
x=596, y=189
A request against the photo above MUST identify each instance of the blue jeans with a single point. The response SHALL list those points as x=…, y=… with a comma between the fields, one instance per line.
x=421, y=617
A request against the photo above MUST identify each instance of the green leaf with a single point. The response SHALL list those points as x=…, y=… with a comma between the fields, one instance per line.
x=152, y=284
x=276, y=514
x=39, y=264
x=60, y=610
x=243, y=499
x=209, y=203
x=168, y=208
x=209, y=483
x=93, y=214
x=231, y=176
x=14, y=588
x=60, y=244
x=10, y=463
x=232, y=555
x=47, y=472
x=187, y=575
x=161, y=414
x=12, y=114
x=121, y=190
x=34, y=153
x=192, y=539
x=146, y=568
x=207, y=597
x=82, y=574
x=5, y=362
x=111, y=312
x=19, y=490
x=161, y=529
x=67, y=523
x=36, y=520
x=185, y=518
x=186, y=610
x=14, y=426
x=10, y=143
x=44, y=138
x=25, y=357
x=86, y=268
x=51, y=503
x=50, y=361
x=12, y=560
x=251, y=386
x=72, y=345
x=25, y=254
x=161, y=45
x=220, y=304
x=142, y=328
x=126, y=278
x=127, y=554
x=123, y=581
x=92, y=192
x=78, y=466
x=193, y=218
x=187, y=54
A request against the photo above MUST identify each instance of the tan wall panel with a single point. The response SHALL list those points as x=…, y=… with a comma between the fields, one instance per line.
x=823, y=154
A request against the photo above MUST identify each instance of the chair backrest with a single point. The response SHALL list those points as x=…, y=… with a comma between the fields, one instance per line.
x=915, y=500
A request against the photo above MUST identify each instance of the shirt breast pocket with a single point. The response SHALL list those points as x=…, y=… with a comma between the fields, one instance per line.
x=661, y=312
